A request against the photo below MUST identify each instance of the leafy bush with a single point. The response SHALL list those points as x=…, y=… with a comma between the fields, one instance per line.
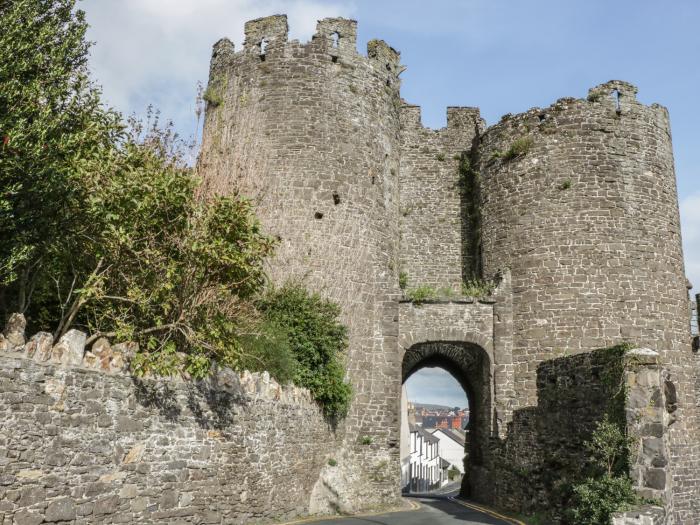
x=565, y=185
x=421, y=294
x=445, y=292
x=477, y=288
x=519, y=148
x=608, y=489
x=268, y=349
x=212, y=96
x=103, y=229
x=453, y=473
x=50, y=118
x=597, y=499
x=101, y=226
x=608, y=449
x=317, y=340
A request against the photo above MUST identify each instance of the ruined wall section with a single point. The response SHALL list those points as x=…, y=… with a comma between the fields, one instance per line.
x=434, y=232
x=544, y=453
x=579, y=201
x=311, y=133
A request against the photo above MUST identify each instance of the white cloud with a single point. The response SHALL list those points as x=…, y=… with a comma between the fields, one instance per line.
x=690, y=226
x=155, y=51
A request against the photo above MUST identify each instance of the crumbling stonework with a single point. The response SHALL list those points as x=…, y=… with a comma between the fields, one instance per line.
x=86, y=443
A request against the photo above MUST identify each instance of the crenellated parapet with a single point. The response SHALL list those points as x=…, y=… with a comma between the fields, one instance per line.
x=265, y=35
x=335, y=40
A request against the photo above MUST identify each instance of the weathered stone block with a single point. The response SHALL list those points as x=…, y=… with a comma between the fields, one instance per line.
x=14, y=330
x=31, y=495
x=70, y=348
x=106, y=505
x=39, y=346
x=27, y=517
x=655, y=478
x=63, y=509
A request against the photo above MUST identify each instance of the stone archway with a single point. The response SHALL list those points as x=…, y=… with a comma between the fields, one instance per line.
x=470, y=364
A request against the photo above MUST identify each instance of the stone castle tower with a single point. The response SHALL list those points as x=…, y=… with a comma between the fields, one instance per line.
x=572, y=209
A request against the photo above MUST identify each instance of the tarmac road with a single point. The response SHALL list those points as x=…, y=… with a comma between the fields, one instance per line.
x=434, y=510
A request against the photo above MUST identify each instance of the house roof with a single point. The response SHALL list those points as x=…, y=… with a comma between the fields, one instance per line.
x=444, y=463
x=454, y=435
x=427, y=436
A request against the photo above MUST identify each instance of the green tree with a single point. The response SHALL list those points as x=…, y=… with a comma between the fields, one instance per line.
x=50, y=117
x=100, y=222
x=162, y=267
x=103, y=229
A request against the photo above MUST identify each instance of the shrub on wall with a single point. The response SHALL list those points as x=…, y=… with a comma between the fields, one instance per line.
x=608, y=488
x=317, y=340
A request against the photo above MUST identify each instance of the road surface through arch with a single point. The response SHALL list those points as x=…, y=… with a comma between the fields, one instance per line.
x=432, y=511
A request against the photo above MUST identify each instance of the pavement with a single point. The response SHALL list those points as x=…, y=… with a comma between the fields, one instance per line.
x=429, y=510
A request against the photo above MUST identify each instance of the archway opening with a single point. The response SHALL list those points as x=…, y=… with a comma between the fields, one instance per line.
x=445, y=416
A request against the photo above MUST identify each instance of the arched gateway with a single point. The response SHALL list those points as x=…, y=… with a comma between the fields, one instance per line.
x=471, y=366
x=468, y=338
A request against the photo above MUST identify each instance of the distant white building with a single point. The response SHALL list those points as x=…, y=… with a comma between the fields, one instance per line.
x=451, y=446
x=424, y=469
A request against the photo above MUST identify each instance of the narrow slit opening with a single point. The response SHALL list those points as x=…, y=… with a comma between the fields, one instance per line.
x=263, y=48
x=615, y=94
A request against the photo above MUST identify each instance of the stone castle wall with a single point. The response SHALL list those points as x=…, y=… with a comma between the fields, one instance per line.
x=574, y=205
x=310, y=132
x=544, y=452
x=83, y=442
x=434, y=238
x=587, y=222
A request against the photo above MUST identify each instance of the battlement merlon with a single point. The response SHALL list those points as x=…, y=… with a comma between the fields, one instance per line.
x=624, y=89
x=382, y=54
x=339, y=33
x=268, y=31
x=222, y=53
x=461, y=120
x=464, y=120
x=268, y=37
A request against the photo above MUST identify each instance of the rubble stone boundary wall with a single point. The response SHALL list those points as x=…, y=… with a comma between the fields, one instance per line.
x=81, y=445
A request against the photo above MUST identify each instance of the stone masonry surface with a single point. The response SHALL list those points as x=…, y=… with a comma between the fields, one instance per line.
x=311, y=133
x=81, y=444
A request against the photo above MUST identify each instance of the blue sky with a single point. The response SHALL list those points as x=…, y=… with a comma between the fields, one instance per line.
x=504, y=56
x=435, y=386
